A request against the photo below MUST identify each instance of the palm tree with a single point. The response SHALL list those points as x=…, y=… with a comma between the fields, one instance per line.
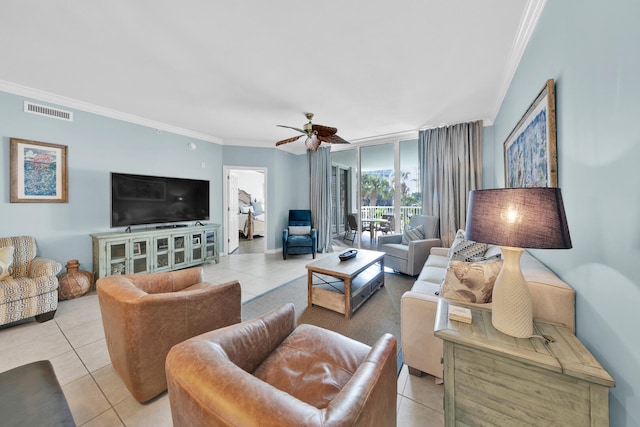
x=406, y=198
x=372, y=186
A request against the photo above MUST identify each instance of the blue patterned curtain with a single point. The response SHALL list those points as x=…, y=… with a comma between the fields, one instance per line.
x=320, y=195
x=450, y=166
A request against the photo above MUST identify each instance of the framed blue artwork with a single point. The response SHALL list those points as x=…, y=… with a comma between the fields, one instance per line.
x=38, y=172
x=530, y=157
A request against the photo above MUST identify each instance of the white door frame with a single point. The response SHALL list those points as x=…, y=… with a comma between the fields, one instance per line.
x=226, y=170
x=233, y=239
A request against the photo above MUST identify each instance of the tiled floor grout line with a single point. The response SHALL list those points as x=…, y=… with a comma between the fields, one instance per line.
x=90, y=374
x=420, y=402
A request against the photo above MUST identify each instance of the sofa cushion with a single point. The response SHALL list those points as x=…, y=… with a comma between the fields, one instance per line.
x=6, y=259
x=432, y=275
x=437, y=261
x=426, y=287
x=299, y=241
x=463, y=249
x=411, y=234
x=313, y=364
x=470, y=281
x=396, y=250
x=24, y=252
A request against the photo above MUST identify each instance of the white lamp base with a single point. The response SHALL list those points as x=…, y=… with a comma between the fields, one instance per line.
x=512, y=313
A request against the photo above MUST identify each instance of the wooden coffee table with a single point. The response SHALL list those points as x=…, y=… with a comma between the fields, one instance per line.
x=343, y=286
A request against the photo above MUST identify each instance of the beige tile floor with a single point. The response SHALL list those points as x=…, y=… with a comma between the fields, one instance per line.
x=74, y=342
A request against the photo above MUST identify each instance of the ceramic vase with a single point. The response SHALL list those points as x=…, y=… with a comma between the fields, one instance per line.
x=74, y=282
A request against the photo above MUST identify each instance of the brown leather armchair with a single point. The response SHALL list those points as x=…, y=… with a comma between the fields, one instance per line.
x=267, y=372
x=144, y=315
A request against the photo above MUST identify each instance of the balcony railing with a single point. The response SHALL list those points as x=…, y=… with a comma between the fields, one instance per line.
x=406, y=212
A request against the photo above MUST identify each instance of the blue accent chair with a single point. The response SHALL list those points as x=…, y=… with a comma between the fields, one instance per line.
x=293, y=242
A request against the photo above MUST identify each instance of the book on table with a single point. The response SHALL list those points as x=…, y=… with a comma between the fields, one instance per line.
x=460, y=314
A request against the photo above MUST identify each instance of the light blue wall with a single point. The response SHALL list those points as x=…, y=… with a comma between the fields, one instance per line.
x=592, y=49
x=488, y=154
x=287, y=184
x=97, y=146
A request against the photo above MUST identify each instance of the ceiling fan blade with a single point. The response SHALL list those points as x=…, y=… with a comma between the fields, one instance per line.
x=332, y=139
x=288, y=140
x=324, y=130
x=289, y=127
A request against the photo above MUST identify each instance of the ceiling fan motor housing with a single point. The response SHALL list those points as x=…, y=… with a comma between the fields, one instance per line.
x=308, y=128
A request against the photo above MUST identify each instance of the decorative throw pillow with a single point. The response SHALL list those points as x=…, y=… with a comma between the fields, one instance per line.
x=464, y=250
x=411, y=234
x=496, y=257
x=257, y=208
x=299, y=230
x=6, y=259
x=456, y=241
x=470, y=281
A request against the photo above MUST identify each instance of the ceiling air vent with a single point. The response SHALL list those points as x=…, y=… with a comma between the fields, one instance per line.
x=43, y=110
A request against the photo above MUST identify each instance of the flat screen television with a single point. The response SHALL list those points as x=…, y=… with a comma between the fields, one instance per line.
x=144, y=199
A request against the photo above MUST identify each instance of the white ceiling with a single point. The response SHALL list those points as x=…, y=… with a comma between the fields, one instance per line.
x=229, y=71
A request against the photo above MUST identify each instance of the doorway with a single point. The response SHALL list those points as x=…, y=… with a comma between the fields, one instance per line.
x=340, y=194
x=245, y=214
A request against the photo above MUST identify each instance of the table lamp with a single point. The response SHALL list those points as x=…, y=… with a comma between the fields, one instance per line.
x=516, y=218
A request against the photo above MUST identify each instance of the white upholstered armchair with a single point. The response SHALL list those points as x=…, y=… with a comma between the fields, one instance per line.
x=409, y=257
x=31, y=286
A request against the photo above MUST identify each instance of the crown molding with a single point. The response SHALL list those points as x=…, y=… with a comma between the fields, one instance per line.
x=52, y=98
x=396, y=136
x=527, y=26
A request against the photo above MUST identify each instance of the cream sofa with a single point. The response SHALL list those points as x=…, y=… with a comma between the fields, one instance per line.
x=552, y=299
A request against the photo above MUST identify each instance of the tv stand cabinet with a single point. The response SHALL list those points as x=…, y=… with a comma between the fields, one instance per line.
x=154, y=249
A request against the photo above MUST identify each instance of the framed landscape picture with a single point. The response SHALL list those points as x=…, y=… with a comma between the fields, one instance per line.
x=38, y=172
x=530, y=158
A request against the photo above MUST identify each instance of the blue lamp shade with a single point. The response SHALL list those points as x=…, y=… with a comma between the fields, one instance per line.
x=518, y=217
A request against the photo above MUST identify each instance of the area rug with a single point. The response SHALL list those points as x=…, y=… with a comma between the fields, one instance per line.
x=378, y=315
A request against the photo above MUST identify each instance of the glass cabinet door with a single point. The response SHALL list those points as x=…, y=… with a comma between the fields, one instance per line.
x=117, y=257
x=210, y=245
x=140, y=256
x=197, y=246
x=162, y=253
x=179, y=250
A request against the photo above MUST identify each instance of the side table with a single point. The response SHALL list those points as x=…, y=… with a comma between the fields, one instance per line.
x=497, y=379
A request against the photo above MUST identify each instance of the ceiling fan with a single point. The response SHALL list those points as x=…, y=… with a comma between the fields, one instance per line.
x=316, y=134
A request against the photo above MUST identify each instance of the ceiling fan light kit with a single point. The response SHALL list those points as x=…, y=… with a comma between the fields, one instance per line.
x=316, y=134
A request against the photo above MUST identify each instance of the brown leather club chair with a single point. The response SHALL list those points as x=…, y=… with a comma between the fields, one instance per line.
x=144, y=315
x=267, y=372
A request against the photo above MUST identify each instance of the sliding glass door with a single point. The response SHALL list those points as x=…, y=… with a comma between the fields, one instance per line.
x=377, y=192
x=410, y=199
x=343, y=189
x=383, y=196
